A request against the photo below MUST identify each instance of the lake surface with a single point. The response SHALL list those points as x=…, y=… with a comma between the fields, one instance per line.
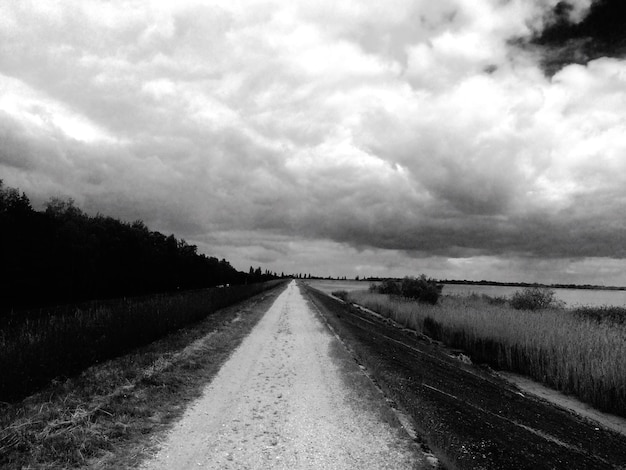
x=571, y=297
x=330, y=286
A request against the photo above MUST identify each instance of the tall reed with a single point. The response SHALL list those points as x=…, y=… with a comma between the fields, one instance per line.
x=569, y=352
x=38, y=346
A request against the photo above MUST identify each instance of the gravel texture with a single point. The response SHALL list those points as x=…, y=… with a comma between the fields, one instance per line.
x=289, y=397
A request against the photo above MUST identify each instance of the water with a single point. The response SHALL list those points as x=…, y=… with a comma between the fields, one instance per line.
x=571, y=297
x=330, y=286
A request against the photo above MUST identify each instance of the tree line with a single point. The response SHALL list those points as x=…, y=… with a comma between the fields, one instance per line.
x=62, y=255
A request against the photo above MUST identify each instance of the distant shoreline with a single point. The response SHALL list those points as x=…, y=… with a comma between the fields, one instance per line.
x=519, y=284
x=529, y=284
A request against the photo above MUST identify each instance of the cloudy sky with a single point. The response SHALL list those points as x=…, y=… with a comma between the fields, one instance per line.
x=466, y=139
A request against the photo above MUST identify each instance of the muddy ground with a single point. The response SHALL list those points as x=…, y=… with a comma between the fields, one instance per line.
x=466, y=414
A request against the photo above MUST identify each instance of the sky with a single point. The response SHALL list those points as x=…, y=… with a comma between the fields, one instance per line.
x=462, y=139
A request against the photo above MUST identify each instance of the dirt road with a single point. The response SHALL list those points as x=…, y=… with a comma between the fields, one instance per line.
x=290, y=397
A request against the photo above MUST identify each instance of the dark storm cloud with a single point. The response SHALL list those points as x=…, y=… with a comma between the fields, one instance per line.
x=567, y=40
x=537, y=236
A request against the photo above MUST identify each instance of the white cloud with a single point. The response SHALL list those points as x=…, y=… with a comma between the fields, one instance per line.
x=412, y=125
x=42, y=114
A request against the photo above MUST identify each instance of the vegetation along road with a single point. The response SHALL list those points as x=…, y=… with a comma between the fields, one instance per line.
x=294, y=378
x=469, y=416
x=290, y=397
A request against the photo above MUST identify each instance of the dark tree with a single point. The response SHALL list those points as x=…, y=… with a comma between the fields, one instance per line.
x=62, y=255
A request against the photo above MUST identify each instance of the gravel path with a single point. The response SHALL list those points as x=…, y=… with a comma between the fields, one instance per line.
x=289, y=397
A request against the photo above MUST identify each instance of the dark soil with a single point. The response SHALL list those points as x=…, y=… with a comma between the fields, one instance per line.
x=468, y=416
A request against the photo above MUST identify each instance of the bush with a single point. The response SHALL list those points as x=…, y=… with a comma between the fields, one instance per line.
x=421, y=289
x=389, y=287
x=535, y=298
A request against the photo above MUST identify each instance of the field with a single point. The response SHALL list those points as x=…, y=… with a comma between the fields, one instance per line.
x=575, y=353
x=41, y=345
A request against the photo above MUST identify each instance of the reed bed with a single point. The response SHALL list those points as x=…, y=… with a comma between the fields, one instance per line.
x=39, y=346
x=573, y=353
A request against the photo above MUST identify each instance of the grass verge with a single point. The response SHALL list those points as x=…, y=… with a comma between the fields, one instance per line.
x=572, y=353
x=111, y=415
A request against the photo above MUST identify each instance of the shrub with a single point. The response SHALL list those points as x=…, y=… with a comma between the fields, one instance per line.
x=389, y=287
x=535, y=298
x=422, y=289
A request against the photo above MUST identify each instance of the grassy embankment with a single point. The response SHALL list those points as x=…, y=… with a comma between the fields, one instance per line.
x=106, y=416
x=39, y=346
x=578, y=352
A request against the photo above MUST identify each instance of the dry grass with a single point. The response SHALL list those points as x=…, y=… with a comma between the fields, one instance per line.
x=574, y=354
x=38, y=346
x=108, y=415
